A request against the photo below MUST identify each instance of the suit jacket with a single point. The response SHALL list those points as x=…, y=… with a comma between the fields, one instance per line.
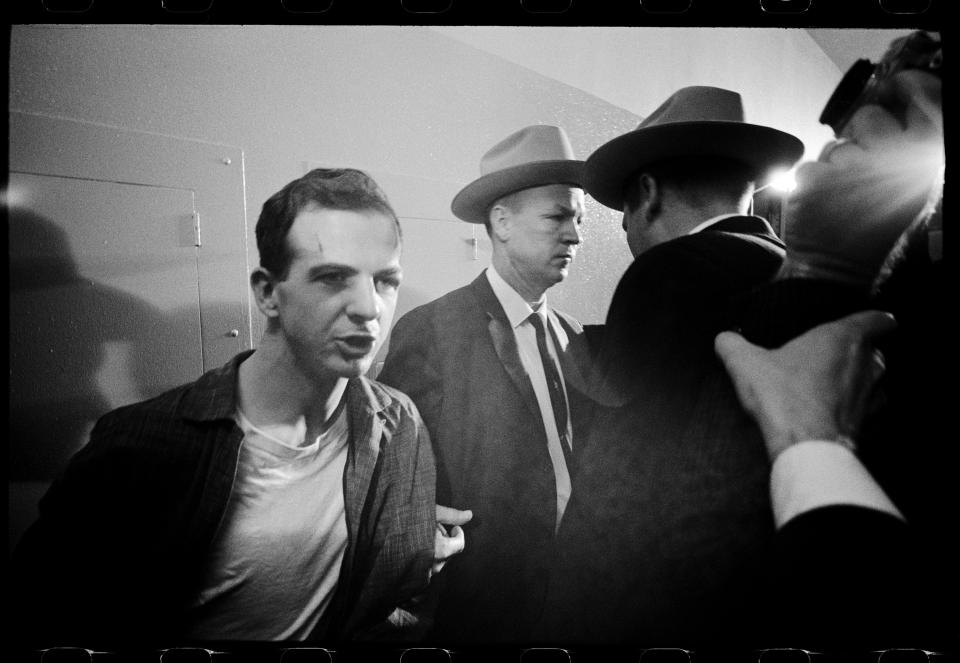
x=457, y=358
x=669, y=539
x=670, y=515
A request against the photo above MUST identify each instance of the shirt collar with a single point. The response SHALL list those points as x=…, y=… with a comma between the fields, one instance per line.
x=214, y=395
x=514, y=306
x=709, y=222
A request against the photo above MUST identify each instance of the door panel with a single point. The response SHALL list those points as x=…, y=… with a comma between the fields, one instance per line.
x=116, y=291
x=104, y=308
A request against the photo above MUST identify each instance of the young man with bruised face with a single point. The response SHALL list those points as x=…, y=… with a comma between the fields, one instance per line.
x=283, y=496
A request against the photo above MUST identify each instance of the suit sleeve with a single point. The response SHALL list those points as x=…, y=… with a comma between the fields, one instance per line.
x=852, y=576
x=412, y=366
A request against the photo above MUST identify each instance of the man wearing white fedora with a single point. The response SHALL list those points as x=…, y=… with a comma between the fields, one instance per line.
x=488, y=367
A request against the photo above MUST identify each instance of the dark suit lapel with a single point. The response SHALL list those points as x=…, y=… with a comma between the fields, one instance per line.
x=576, y=364
x=504, y=342
x=575, y=358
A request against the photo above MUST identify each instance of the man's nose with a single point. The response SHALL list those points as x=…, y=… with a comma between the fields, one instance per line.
x=365, y=302
x=571, y=232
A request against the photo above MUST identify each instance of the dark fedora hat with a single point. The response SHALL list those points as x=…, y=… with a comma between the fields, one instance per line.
x=695, y=121
x=534, y=156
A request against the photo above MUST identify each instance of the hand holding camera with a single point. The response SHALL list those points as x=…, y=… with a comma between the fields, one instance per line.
x=879, y=176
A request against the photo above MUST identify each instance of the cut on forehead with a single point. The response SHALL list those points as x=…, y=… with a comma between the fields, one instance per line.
x=356, y=214
x=324, y=231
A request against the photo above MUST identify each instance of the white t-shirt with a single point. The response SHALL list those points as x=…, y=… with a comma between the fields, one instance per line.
x=276, y=557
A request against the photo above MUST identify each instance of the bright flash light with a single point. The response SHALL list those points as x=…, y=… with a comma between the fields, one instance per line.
x=784, y=181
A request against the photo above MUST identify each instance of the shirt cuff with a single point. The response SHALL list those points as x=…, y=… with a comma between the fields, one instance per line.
x=818, y=473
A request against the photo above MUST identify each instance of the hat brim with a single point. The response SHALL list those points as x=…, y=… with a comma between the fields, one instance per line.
x=471, y=204
x=764, y=148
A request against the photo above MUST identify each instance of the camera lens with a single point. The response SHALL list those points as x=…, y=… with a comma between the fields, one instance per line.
x=844, y=98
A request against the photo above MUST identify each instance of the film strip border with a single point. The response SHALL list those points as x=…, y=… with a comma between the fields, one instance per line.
x=316, y=654
x=912, y=14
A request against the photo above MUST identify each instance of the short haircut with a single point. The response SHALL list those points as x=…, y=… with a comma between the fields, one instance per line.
x=324, y=188
x=513, y=201
x=700, y=177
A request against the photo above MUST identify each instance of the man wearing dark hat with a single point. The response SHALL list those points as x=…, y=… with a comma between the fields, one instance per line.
x=487, y=365
x=671, y=512
x=670, y=537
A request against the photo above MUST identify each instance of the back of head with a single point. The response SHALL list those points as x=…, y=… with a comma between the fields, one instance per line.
x=325, y=188
x=700, y=181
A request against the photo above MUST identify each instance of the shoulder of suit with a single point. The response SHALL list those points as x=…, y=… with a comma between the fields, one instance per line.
x=452, y=298
x=569, y=321
x=443, y=318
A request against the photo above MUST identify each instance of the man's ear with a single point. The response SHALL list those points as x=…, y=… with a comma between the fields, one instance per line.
x=652, y=193
x=263, y=284
x=500, y=224
x=652, y=196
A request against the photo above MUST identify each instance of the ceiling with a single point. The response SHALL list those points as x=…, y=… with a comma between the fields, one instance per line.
x=845, y=45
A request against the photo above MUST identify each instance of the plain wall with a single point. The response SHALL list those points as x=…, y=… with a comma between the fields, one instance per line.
x=783, y=75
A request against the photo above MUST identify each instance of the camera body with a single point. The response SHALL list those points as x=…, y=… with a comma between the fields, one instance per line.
x=863, y=82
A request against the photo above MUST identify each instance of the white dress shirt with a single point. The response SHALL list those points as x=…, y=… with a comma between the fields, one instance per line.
x=518, y=311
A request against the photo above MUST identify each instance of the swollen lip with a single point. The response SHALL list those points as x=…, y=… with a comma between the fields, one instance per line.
x=358, y=343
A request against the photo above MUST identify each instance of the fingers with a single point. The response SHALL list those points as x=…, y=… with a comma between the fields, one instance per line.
x=450, y=516
x=867, y=325
x=446, y=544
x=864, y=367
x=449, y=539
x=734, y=350
x=743, y=361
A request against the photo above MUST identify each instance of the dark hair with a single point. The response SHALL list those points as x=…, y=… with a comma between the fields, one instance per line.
x=326, y=188
x=700, y=177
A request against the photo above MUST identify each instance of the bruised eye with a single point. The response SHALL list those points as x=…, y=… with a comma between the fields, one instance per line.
x=388, y=282
x=331, y=278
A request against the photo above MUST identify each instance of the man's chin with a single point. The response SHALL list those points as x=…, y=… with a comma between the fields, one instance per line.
x=353, y=368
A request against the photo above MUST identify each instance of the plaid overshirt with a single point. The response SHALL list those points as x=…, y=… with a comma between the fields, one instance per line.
x=117, y=554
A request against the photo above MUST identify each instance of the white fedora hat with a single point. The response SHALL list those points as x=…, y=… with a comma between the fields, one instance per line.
x=534, y=156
